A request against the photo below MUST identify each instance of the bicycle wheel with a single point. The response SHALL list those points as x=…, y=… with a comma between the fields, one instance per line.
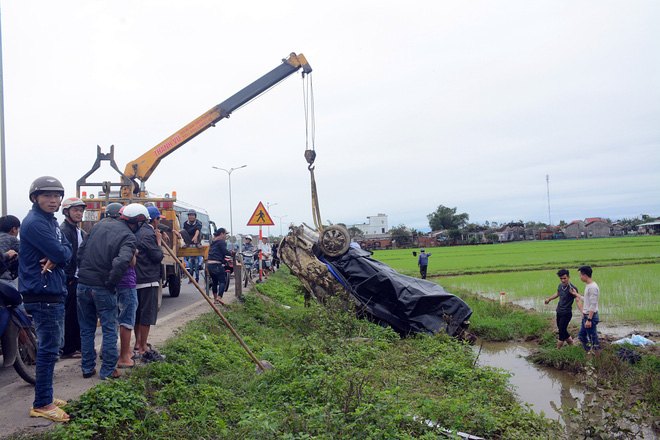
x=247, y=274
x=26, y=358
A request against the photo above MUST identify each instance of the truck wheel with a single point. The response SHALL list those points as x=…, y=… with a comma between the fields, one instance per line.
x=174, y=283
x=334, y=241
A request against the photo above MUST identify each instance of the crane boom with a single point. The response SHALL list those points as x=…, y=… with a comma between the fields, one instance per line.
x=142, y=167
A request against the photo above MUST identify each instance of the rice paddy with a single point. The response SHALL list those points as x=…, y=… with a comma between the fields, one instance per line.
x=626, y=269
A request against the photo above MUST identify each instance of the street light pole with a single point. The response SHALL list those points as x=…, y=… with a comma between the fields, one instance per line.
x=268, y=205
x=280, y=217
x=231, y=218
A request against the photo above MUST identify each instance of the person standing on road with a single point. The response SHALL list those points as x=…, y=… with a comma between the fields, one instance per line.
x=126, y=299
x=9, y=229
x=276, y=259
x=147, y=269
x=44, y=253
x=266, y=252
x=216, y=263
x=564, y=307
x=73, y=209
x=423, y=262
x=588, y=334
x=102, y=260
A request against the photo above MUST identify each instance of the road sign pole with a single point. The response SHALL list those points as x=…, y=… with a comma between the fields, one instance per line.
x=260, y=257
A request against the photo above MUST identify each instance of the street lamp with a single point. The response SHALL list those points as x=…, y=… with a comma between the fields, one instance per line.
x=280, y=217
x=268, y=205
x=231, y=219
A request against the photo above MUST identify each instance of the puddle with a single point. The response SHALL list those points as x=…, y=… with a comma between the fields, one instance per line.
x=534, y=384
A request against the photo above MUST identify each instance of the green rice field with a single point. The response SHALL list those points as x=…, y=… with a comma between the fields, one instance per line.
x=627, y=269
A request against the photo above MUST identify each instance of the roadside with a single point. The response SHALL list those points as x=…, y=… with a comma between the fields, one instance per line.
x=17, y=395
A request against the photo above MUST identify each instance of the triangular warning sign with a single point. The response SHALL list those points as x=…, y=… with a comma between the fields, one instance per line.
x=260, y=217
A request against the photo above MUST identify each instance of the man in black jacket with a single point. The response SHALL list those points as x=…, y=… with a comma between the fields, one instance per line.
x=147, y=269
x=73, y=209
x=103, y=259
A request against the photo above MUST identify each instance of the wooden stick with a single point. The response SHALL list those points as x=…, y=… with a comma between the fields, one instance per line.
x=208, y=300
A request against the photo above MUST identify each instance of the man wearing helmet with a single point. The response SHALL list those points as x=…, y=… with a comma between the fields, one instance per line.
x=103, y=259
x=192, y=230
x=73, y=209
x=44, y=253
x=147, y=268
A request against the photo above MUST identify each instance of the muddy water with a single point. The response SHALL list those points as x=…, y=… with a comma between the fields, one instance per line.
x=535, y=385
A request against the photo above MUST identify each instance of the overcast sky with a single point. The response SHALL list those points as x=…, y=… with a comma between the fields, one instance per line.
x=417, y=104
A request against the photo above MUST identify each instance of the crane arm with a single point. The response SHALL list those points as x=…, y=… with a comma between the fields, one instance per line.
x=142, y=167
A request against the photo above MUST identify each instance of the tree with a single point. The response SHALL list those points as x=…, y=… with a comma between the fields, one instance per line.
x=400, y=234
x=493, y=237
x=353, y=231
x=446, y=218
x=455, y=235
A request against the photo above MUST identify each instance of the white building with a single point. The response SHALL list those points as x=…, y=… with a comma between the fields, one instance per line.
x=377, y=225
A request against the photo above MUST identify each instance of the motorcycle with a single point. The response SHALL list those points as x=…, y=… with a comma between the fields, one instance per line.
x=229, y=270
x=251, y=265
x=18, y=342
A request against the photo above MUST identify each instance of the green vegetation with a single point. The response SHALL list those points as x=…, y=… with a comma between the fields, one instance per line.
x=627, y=270
x=326, y=383
x=531, y=255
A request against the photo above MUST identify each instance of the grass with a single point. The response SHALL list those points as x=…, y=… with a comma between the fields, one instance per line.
x=324, y=385
x=532, y=255
x=626, y=269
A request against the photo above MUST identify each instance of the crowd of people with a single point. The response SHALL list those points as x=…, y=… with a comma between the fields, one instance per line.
x=71, y=282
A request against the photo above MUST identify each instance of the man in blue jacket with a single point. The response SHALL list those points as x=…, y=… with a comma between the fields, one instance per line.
x=44, y=253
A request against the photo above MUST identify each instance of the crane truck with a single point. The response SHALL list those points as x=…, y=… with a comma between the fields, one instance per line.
x=131, y=185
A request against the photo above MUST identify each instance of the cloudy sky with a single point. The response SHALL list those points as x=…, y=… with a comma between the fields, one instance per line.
x=417, y=104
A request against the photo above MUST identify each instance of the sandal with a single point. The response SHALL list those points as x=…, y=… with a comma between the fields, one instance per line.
x=90, y=374
x=56, y=414
x=115, y=375
x=59, y=403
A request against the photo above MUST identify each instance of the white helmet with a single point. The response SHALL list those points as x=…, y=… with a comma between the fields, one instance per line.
x=71, y=202
x=248, y=237
x=134, y=213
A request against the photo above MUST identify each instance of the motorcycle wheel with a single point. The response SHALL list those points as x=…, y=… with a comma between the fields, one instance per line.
x=26, y=358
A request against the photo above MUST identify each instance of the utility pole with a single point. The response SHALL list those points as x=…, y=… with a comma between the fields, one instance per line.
x=3, y=166
x=547, y=182
x=268, y=205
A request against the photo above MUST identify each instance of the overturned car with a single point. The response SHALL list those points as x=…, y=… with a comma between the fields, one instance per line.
x=327, y=265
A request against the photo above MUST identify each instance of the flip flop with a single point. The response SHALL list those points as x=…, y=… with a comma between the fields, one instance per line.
x=56, y=414
x=124, y=367
x=59, y=403
x=115, y=375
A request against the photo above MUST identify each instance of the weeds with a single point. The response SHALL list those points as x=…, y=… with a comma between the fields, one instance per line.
x=337, y=377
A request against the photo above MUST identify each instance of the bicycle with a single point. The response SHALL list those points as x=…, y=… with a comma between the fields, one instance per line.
x=250, y=264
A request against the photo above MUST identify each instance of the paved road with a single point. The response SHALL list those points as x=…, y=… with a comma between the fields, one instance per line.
x=17, y=395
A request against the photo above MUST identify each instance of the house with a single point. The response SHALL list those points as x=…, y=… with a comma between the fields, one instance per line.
x=649, y=228
x=377, y=225
x=597, y=228
x=575, y=229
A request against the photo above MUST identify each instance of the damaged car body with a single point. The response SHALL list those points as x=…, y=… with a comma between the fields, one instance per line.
x=327, y=265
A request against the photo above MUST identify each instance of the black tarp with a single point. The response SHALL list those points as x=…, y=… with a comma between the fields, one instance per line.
x=409, y=305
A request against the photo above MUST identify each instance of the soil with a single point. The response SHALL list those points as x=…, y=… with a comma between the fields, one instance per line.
x=68, y=383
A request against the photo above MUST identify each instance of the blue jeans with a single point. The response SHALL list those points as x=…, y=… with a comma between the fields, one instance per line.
x=96, y=301
x=218, y=278
x=193, y=267
x=127, y=302
x=49, y=324
x=589, y=336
